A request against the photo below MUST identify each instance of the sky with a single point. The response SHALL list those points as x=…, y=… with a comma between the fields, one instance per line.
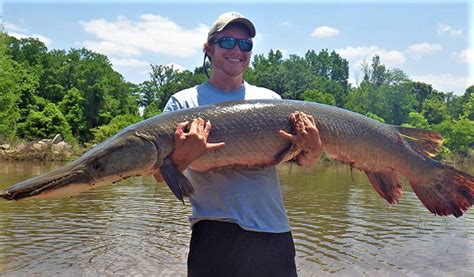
x=431, y=41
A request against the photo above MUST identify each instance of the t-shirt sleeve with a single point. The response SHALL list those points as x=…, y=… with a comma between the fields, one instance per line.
x=172, y=105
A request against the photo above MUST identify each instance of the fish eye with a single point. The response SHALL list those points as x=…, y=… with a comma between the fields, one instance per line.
x=97, y=166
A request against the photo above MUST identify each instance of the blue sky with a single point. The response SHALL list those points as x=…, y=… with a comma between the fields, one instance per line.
x=430, y=41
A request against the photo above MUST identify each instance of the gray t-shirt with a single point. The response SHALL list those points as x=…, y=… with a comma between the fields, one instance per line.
x=251, y=198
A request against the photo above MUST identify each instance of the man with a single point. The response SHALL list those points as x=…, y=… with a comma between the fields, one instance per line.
x=239, y=224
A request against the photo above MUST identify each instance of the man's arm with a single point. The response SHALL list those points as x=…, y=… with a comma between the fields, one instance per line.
x=188, y=146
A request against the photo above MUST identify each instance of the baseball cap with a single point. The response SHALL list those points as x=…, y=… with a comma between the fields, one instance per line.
x=227, y=18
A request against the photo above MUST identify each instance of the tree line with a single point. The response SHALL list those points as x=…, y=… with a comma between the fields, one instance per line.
x=77, y=93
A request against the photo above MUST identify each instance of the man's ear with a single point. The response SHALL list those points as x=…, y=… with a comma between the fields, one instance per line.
x=209, y=50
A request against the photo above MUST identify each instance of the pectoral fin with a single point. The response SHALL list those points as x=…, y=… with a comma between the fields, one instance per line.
x=176, y=181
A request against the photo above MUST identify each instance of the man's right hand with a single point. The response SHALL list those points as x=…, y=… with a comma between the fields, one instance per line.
x=188, y=146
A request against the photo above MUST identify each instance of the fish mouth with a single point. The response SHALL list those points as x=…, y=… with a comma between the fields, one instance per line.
x=46, y=185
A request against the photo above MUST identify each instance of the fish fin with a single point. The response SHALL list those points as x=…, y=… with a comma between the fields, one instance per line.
x=176, y=181
x=450, y=191
x=387, y=184
x=288, y=154
x=425, y=142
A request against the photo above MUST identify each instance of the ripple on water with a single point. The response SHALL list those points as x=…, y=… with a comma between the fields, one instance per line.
x=340, y=226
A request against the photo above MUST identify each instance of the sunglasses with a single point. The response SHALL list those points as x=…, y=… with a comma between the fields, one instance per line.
x=245, y=45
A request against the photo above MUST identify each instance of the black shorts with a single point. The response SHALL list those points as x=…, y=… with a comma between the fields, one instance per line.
x=225, y=249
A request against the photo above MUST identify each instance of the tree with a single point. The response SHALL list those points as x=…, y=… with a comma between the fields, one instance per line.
x=313, y=95
x=9, y=97
x=28, y=51
x=161, y=76
x=328, y=86
x=434, y=110
x=298, y=77
x=45, y=123
x=119, y=122
x=339, y=69
x=268, y=72
x=469, y=106
x=320, y=63
x=421, y=91
x=416, y=120
x=104, y=91
x=458, y=135
x=73, y=108
x=377, y=73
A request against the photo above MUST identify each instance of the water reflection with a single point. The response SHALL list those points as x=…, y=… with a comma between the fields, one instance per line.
x=340, y=225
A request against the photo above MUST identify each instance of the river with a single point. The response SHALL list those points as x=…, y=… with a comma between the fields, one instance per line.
x=340, y=225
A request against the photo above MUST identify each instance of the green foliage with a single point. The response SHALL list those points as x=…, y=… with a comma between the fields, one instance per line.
x=73, y=107
x=421, y=92
x=9, y=96
x=458, y=135
x=434, y=110
x=313, y=95
x=82, y=83
x=268, y=72
x=330, y=87
x=469, y=107
x=165, y=81
x=416, y=120
x=374, y=116
x=151, y=110
x=119, y=122
x=45, y=123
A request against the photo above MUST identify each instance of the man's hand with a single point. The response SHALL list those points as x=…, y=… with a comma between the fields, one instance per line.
x=188, y=146
x=306, y=138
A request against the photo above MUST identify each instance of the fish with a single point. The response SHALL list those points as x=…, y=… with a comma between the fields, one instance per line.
x=249, y=128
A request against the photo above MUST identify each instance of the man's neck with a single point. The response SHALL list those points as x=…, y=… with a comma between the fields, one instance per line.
x=227, y=83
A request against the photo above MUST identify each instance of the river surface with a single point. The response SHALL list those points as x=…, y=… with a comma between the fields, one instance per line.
x=340, y=225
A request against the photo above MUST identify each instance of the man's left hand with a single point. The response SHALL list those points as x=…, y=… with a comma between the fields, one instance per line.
x=306, y=138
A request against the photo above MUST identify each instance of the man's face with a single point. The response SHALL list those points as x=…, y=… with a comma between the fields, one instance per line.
x=232, y=62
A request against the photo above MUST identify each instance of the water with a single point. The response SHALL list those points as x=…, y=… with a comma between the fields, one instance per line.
x=340, y=225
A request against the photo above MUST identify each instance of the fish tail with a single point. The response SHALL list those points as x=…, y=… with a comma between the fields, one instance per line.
x=426, y=142
x=387, y=184
x=449, y=191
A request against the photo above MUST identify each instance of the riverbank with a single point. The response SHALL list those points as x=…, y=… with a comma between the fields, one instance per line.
x=55, y=149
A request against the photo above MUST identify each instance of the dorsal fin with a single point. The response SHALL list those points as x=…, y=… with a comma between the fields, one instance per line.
x=425, y=142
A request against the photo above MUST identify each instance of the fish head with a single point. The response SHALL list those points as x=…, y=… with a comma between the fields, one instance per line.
x=111, y=161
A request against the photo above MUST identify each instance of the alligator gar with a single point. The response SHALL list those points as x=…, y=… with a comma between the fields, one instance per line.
x=250, y=132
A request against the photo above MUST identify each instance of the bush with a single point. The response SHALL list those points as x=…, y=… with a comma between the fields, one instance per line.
x=458, y=135
x=119, y=122
x=45, y=124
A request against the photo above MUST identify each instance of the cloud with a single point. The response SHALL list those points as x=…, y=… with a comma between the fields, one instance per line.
x=467, y=56
x=446, y=82
x=14, y=28
x=446, y=29
x=112, y=48
x=154, y=33
x=420, y=49
x=325, y=31
x=285, y=24
x=357, y=55
x=20, y=32
x=129, y=62
x=176, y=66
